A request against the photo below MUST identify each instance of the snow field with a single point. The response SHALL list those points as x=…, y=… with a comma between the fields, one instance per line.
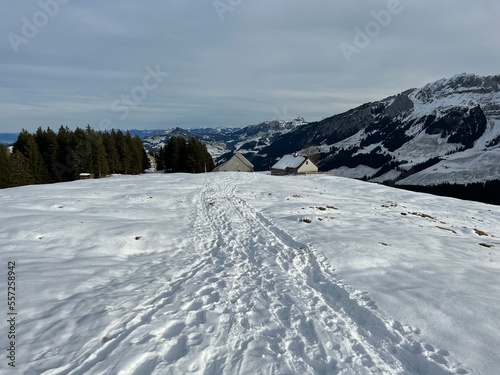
x=216, y=274
x=420, y=257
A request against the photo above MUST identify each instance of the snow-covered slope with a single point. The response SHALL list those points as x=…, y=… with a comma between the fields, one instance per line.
x=445, y=132
x=480, y=162
x=223, y=142
x=250, y=274
x=455, y=121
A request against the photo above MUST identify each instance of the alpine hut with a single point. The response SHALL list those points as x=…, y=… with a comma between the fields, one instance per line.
x=293, y=164
x=237, y=163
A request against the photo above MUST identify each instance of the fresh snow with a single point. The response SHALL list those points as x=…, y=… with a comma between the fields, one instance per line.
x=389, y=176
x=222, y=274
x=360, y=171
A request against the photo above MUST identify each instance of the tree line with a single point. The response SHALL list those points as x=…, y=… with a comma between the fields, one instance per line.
x=486, y=192
x=46, y=156
x=181, y=155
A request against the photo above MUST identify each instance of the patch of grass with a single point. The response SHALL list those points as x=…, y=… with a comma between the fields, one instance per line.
x=488, y=245
x=321, y=208
x=296, y=196
x=425, y=216
x=305, y=220
x=332, y=207
x=480, y=232
x=448, y=229
x=390, y=205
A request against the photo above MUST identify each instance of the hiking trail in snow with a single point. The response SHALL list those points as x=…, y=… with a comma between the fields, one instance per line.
x=251, y=300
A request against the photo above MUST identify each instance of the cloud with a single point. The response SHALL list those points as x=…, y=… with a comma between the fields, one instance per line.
x=236, y=71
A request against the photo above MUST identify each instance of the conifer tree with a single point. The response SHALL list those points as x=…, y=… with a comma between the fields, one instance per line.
x=5, y=168
x=181, y=156
x=160, y=159
x=46, y=157
x=175, y=155
x=100, y=166
x=48, y=146
x=208, y=161
x=146, y=162
x=63, y=165
x=139, y=154
x=109, y=141
x=123, y=152
x=82, y=151
x=193, y=156
x=27, y=146
x=135, y=153
x=22, y=172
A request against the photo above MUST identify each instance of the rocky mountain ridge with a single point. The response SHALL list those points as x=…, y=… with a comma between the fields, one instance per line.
x=446, y=132
x=223, y=142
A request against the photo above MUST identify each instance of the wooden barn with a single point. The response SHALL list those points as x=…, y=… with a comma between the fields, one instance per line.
x=237, y=163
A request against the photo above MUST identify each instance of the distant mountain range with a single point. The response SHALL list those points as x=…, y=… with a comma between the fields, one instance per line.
x=443, y=138
x=447, y=132
x=8, y=138
x=223, y=142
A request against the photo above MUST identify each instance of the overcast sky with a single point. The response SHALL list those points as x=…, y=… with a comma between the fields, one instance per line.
x=192, y=63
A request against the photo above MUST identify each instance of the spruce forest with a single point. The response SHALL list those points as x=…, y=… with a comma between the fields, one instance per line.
x=179, y=155
x=47, y=156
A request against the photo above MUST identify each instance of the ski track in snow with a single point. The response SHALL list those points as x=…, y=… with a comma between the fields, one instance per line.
x=254, y=301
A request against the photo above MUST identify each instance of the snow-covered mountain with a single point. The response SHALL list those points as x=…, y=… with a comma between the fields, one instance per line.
x=223, y=142
x=235, y=274
x=445, y=132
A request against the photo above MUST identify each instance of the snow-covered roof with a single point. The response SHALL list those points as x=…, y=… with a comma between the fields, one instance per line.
x=289, y=161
